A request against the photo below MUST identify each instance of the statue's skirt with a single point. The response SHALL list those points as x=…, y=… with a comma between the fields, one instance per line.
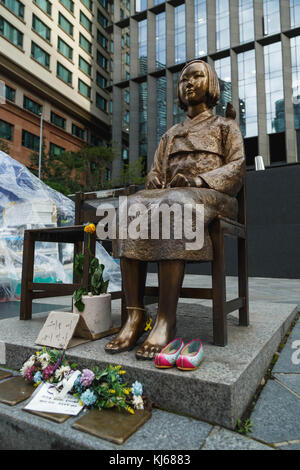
x=169, y=224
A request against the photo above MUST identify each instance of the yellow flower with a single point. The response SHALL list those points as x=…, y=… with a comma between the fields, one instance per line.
x=90, y=228
x=112, y=391
x=37, y=353
x=126, y=391
x=36, y=384
x=80, y=403
x=122, y=372
x=130, y=410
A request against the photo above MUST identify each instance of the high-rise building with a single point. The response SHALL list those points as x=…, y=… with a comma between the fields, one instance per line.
x=55, y=60
x=254, y=46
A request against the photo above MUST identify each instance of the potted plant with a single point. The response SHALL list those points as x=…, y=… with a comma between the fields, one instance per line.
x=93, y=303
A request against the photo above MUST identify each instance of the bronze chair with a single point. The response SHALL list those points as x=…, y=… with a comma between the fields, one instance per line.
x=220, y=307
x=84, y=213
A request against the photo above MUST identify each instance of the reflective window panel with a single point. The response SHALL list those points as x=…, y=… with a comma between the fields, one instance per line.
x=246, y=20
x=180, y=46
x=271, y=20
x=161, y=40
x=295, y=52
x=143, y=113
x=274, y=88
x=295, y=13
x=178, y=113
x=200, y=28
x=161, y=107
x=247, y=93
x=223, y=70
x=143, y=47
x=222, y=24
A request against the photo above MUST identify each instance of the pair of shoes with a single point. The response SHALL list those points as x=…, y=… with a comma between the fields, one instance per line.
x=186, y=357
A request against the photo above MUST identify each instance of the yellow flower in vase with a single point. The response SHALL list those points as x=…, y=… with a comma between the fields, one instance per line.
x=90, y=228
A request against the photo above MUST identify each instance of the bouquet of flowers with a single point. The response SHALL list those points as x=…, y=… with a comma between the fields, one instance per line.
x=94, y=388
x=46, y=366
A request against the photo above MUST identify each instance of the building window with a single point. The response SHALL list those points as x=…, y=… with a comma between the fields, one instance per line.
x=295, y=56
x=88, y=4
x=101, y=19
x=86, y=23
x=15, y=6
x=274, y=88
x=180, y=47
x=11, y=33
x=200, y=28
x=65, y=24
x=101, y=102
x=101, y=60
x=222, y=25
x=6, y=130
x=178, y=113
x=141, y=5
x=64, y=48
x=271, y=20
x=100, y=80
x=251, y=150
x=40, y=55
x=30, y=141
x=143, y=116
x=223, y=70
x=101, y=39
x=56, y=150
x=125, y=54
x=84, y=89
x=32, y=106
x=161, y=108
x=78, y=131
x=108, y=174
x=246, y=20
x=295, y=13
x=247, y=93
x=142, y=45
x=277, y=147
x=10, y=93
x=85, y=66
x=64, y=73
x=45, y=5
x=58, y=120
x=125, y=109
x=161, y=40
x=85, y=44
x=40, y=28
x=69, y=4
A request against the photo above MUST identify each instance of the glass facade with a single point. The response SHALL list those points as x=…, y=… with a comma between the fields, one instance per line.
x=271, y=20
x=247, y=93
x=143, y=114
x=125, y=44
x=295, y=52
x=200, y=28
x=125, y=109
x=274, y=88
x=142, y=45
x=178, y=113
x=141, y=5
x=11, y=33
x=180, y=45
x=15, y=6
x=64, y=48
x=45, y=5
x=246, y=20
x=222, y=25
x=223, y=70
x=161, y=113
x=295, y=13
x=161, y=40
x=40, y=55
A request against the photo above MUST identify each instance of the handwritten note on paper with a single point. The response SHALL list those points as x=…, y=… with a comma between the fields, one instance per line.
x=44, y=400
x=58, y=330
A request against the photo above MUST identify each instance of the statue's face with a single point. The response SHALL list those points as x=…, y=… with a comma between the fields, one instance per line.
x=193, y=84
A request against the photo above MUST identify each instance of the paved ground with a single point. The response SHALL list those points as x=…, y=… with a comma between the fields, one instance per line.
x=276, y=423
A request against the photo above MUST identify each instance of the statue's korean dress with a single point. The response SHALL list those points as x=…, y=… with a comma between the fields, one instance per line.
x=207, y=148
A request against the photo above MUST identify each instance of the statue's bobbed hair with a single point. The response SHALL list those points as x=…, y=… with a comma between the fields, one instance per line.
x=213, y=93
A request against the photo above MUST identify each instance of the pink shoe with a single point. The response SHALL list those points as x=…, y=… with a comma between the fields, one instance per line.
x=191, y=355
x=169, y=354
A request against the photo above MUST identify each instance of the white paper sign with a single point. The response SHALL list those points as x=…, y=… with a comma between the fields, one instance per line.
x=44, y=400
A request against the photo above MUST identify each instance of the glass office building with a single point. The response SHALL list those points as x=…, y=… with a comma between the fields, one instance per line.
x=255, y=50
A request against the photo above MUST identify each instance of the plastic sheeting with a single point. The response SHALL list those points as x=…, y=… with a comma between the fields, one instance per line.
x=27, y=203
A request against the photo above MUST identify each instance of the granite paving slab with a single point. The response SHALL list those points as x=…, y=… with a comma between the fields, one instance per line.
x=292, y=381
x=276, y=415
x=222, y=439
x=290, y=447
x=217, y=392
x=289, y=359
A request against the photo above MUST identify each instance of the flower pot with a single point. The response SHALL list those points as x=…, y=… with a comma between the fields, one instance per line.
x=97, y=312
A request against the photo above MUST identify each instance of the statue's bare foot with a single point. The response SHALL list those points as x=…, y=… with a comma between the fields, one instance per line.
x=129, y=334
x=159, y=337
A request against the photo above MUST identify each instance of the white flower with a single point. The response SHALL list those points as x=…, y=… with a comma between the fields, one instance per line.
x=62, y=372
x=28, y=363
x=137, y=402
x=44, y=360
